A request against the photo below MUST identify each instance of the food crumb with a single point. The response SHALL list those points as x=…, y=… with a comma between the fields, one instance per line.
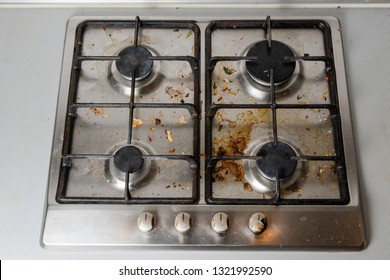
x=248, y=187
x=97, y=111
x=183, y=120
x=137, y=122
x=228, y=71
x=105, y=116
x=296, y=189
x=320, y=171
x=168, y=135
x=173, y=93
x=232, y=92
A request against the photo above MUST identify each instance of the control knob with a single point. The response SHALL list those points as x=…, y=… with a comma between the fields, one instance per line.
x=146, y=222
x=257, y=223
x=220, y=222
x=183, y=222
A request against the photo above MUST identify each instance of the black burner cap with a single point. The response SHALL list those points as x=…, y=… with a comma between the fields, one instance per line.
x=135, y=57
x=276, y=157
x=270, y=58
x=128, y=159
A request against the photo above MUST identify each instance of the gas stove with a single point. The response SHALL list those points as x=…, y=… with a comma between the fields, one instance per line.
x=211, y=132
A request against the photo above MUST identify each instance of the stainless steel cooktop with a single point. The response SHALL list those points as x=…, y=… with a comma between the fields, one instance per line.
x=212, y=132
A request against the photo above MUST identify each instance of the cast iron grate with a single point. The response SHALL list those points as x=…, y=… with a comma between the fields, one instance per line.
x=333, y=107
x=73, y=106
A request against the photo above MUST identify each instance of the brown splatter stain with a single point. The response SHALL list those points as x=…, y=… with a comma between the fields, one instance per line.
x=144, y=40
x=248, y=187
x=229, y=170
x=97, y=111
x=295, y=189
x=232, y=140
x=174, y=93
x=214, y=89
x=326, y=170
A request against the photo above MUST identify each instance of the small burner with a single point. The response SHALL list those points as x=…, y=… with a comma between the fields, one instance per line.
x=276, y=157
x=270, y=58
x=128, y=159
x=135, y=57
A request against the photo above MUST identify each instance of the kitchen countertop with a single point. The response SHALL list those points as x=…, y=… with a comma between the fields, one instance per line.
x=31, y=49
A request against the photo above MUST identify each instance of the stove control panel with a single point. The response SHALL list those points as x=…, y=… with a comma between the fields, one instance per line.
x=257, y=222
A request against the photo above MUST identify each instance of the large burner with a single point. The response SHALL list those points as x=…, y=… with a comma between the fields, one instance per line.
x=270, y=58
x=276, y=158
x=135, y=57
x=261, y=174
